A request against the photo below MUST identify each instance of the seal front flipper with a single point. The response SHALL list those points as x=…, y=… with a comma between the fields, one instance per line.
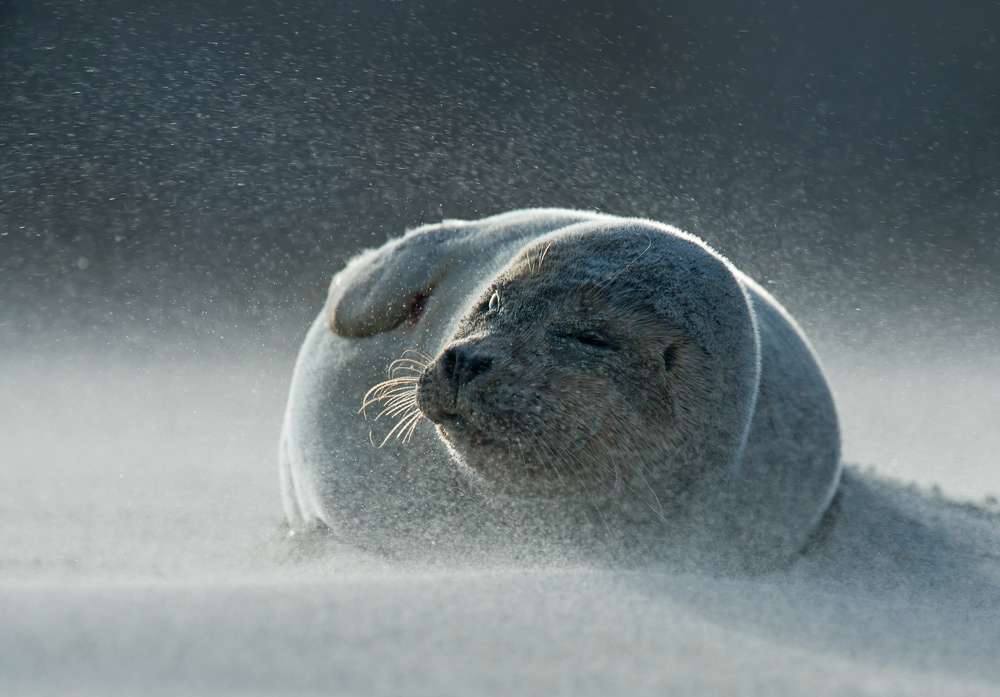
x=381, y=288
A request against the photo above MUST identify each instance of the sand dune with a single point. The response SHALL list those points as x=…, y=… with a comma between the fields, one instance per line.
x=141, y=553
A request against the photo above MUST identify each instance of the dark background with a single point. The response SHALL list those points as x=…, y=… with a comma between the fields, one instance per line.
x=188, y=169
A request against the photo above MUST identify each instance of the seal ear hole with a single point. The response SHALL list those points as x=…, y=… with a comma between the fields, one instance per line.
x=670, y=357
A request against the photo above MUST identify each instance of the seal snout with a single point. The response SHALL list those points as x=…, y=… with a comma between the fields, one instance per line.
x=443, y=384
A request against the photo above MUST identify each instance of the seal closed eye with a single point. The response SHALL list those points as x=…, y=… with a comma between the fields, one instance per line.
x=595, y=339
x=588, y=378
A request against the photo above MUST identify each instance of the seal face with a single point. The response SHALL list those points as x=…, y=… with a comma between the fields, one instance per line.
x=558, y=382
x=610, y=376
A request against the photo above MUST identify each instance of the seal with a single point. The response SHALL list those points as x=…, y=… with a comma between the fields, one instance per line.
x=600, y=382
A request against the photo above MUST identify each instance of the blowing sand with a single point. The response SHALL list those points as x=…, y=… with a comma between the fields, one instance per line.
x=141, y=553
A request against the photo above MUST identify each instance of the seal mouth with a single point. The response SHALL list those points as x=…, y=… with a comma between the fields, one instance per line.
x=459, y=425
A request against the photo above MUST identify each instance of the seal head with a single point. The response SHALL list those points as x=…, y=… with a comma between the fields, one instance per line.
x=602, y=358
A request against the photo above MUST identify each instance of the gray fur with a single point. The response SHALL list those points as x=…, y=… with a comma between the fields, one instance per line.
x=740, y=474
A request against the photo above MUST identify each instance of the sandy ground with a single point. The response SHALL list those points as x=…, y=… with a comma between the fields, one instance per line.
x=141, y=553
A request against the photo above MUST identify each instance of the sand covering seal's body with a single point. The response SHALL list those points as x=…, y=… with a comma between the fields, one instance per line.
x=736, y=454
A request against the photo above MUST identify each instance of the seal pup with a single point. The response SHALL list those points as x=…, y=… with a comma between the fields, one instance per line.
x=595, y=383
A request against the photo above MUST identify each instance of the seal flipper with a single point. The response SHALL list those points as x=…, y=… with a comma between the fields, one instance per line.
x=376, y=291
x=381, y=288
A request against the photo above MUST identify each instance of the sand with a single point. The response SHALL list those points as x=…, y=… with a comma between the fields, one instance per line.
x=141, y=552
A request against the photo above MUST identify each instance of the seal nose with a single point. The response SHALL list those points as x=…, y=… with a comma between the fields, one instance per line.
x=460, y=366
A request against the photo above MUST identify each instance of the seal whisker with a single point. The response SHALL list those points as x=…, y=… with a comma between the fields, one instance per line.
x=406, y=359
x=398, y=390
x=541, y=259
x=406, y=364
x=550, y=460
x=649, y=244
x=586, y=489
x=389, y=398
x=399, y=428
x=401, y=409
x=520, y=452
x=397, y=408
x=427, y=358
x=413, y=426
x=403, y=368
x=535, y=261
x=390, y=386
x=388, y=391
x=398, y=397
x=546, y=443
x=658, y=508
x=618, y=480
x=409, y=424
x=543, y=461
x=397, y=380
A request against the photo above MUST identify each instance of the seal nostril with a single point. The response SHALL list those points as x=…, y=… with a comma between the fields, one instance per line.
x=476, y=366
x=449, y=364
x=459, y=367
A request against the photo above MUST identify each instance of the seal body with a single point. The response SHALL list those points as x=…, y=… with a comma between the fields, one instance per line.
x=559, y=380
